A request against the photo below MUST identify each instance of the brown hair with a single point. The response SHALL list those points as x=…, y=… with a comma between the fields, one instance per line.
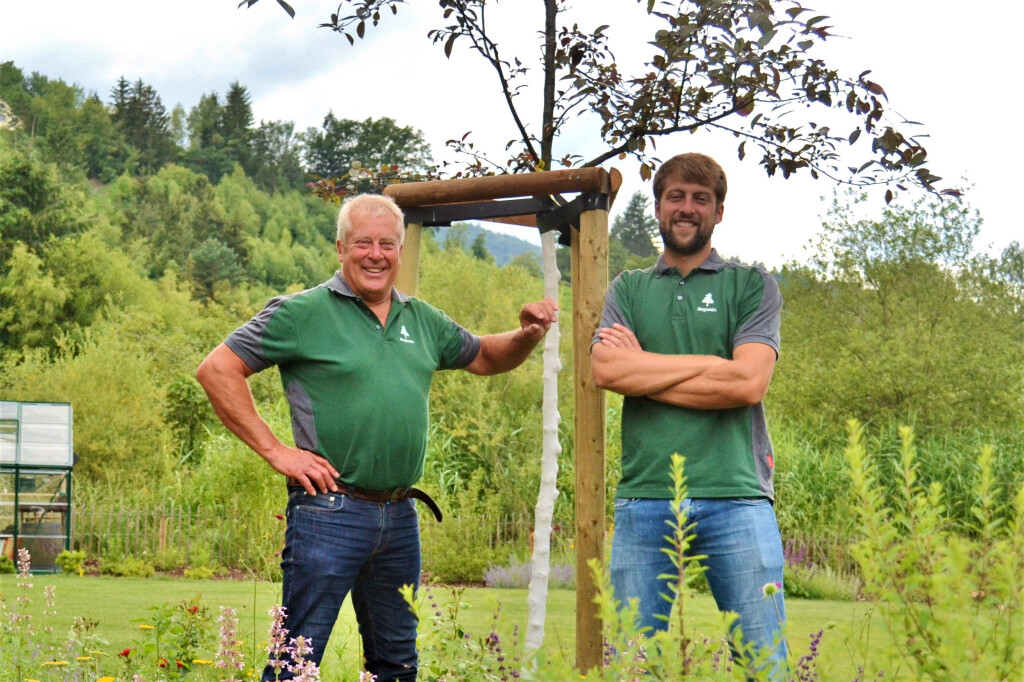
x=692, y=167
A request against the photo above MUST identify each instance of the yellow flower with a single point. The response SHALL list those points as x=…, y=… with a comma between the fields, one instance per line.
x=106, y=679
x=83, y=658
x=201, y=661
x=29, y=679
x=145, y=627
x=55, y=663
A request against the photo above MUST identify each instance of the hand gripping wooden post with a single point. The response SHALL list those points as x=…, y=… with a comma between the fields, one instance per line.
x=535, y=199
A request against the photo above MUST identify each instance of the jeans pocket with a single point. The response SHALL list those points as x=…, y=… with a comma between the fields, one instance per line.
x=324, y=503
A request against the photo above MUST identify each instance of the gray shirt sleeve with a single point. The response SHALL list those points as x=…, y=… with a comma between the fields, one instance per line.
x=763, y=325
x=247, y=340
x=611, y=313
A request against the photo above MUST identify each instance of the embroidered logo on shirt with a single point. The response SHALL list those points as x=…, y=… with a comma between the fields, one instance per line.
x=405, y=335
x=707, y=304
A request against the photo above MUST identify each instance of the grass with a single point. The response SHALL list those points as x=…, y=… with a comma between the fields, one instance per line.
x=118, y=603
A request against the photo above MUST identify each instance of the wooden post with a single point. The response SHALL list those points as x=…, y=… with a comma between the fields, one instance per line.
x=589, y=283
x=409, y=273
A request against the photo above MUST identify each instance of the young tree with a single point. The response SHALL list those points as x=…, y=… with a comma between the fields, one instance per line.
x=749, y=68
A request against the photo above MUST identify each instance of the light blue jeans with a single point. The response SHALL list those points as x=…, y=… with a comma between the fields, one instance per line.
x=336, y=545
x=740, y=538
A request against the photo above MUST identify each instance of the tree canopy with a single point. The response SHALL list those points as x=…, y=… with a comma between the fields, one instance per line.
x=749, y=68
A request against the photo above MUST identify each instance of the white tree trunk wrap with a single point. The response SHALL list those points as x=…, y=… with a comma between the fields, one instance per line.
x=541, y=561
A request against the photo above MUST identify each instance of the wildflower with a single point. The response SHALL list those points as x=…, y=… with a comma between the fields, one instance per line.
x=277, y=648
x=228, y=653
x=145, y=626
x=54, y=663
x=302, y=646
x=366, y=676
x=125, y=653
x=24, y=563
x=279, y=517
x=771, y=589
x=162, y=662
x=106, y=679
x=83, y=658
x=201, y=661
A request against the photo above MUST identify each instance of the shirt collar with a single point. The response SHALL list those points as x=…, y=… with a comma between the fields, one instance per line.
x=338, y=285
x=713, y=263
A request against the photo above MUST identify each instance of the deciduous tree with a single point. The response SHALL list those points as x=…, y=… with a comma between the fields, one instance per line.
x=331, y=149
x=750, y=68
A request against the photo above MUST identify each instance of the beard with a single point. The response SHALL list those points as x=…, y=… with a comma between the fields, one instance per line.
x=686, y=247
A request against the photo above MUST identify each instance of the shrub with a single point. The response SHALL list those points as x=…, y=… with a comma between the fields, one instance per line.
x=6, y=565
x=71, y=561
x=200, y=573
x=460, y=549
x=129, y=567
x=169, y=559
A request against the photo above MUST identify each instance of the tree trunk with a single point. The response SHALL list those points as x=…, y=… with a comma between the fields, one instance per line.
x=541, y=561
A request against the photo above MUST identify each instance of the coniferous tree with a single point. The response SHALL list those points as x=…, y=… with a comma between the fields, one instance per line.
x=635, y=229
x=145, y=123
x=236, y=115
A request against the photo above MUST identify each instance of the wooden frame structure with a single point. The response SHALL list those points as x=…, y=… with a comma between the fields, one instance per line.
x=534, y=199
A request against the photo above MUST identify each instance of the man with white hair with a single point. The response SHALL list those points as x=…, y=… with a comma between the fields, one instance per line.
x=357, y=358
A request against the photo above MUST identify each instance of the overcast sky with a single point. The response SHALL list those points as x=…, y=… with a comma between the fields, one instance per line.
x=945, y=64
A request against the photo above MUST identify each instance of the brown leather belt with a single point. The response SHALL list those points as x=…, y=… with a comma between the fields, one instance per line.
x=387, y=496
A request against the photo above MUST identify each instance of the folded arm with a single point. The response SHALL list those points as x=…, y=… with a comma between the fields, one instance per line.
x=740, y=382
x=223, y=376
x=696, y=381
x=631, y=371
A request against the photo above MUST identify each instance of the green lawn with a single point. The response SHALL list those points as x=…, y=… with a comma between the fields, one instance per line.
x=118, y=603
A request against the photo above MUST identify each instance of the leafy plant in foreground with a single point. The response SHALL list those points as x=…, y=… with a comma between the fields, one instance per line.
x=952, y=604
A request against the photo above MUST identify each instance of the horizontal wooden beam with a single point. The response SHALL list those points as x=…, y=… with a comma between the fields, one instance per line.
x=440, y=192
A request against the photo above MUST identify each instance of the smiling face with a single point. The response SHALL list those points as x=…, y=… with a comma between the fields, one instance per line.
x=370, y=255
x=687, y=213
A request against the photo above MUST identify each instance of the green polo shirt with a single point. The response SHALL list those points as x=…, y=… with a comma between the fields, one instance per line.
x=711, y=311
x=358, y=390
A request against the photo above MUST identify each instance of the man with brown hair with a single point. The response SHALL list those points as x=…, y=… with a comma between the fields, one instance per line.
x=692, y=343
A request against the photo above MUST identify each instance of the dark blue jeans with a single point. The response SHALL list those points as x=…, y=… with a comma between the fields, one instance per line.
x=336, y=544
x=739, y=538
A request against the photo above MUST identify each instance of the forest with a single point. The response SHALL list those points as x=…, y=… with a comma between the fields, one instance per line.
x=133, y=239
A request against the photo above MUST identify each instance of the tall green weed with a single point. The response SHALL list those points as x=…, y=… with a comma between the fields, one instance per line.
x=951, y=603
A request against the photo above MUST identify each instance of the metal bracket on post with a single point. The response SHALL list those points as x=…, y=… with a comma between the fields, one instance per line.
x=446, y=214
x=567, y=215
x=550, y=214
